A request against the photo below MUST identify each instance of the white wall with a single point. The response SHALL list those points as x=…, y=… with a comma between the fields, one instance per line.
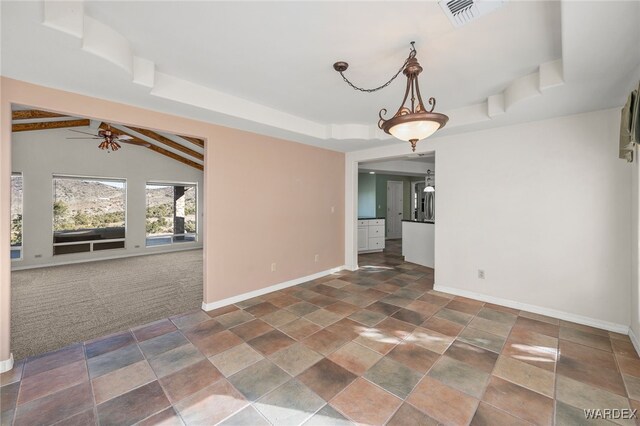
x=547, y=215
x=39, y=155
x=544, y=208
x=635, y=224
x=635, y=242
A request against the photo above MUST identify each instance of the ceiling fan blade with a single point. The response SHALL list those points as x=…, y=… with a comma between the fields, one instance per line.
x=145, y=144
x=84, y=138
x=84, y=133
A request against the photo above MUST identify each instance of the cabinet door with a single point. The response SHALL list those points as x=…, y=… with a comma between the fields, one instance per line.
x=376, y=231
x=376, y=243
x=363, y=237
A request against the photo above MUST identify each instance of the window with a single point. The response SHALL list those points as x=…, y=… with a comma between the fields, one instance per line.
x=88, y=214
x=171, y=213
x=16, y=216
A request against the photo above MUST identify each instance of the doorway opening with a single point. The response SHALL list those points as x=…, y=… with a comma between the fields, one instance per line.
x=107, y=227
x=393, y=194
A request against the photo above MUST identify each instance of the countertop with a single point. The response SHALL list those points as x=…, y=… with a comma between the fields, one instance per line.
x=370, y=218
x=419, y=221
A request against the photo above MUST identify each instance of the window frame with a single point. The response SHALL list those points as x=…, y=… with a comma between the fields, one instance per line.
x=171, y=237
x=90, y=242
x=21, y=247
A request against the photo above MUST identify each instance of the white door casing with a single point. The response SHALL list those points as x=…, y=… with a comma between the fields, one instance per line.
x=394, y=209
x=352, y=159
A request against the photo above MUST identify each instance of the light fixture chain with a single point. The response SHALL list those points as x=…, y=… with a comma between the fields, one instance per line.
x=376, y=88
x=411, y=55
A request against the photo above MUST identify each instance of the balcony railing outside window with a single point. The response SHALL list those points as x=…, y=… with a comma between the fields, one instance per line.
x=171, y=214
x=89, y=214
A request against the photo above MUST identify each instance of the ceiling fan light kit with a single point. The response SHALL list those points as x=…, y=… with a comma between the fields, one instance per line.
x=412, y=122
x=109, y=142
x=109, y=138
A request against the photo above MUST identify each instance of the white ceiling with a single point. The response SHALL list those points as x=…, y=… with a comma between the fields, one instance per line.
x=267, y=66
x=280, y=54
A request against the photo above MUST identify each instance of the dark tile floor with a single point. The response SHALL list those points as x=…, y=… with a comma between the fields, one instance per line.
x=376, y=346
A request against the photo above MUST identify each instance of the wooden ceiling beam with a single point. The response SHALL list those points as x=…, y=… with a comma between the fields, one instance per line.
x=25, y=127
x=27, y=114
x=168, y=142
x=176, y=157
x=193, y=140
x=157, y=149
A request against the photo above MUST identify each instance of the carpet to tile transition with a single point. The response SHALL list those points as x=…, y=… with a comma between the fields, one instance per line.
x=55, y=306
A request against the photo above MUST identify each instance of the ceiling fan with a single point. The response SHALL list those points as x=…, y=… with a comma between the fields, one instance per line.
x=110, y=139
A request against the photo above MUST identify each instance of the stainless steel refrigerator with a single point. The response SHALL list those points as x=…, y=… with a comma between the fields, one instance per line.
x=425, y=204
x=429, y=206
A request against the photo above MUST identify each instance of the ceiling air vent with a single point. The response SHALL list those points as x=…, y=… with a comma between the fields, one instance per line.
x=461, y=12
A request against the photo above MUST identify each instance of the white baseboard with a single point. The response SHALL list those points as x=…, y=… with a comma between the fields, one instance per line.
x=634, y=340
x=7, y=364
x=239, y=298
x=17, y=267
x=579, y=319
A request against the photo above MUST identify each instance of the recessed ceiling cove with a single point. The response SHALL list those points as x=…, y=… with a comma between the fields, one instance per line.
x=266, y=66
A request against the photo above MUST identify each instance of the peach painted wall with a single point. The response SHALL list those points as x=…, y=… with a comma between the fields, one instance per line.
x=267, y=200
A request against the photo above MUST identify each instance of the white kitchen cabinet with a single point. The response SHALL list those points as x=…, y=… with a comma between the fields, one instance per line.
x=376, y=231
x=363, y=236
x=370, y=235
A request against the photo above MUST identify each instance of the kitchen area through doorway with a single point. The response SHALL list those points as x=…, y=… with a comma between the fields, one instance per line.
x=397, y=208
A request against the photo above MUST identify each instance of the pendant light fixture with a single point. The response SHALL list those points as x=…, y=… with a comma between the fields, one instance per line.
x=412, y=122
x=429, y=187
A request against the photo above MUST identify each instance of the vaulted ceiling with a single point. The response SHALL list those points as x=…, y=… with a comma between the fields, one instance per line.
x=184, y=149
x=267, y=66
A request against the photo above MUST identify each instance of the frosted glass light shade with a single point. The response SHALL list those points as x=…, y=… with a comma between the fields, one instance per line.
x=429, y=189
x=414, y=130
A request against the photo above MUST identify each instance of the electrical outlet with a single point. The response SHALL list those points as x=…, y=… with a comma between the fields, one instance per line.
x=333, y=209
x=273, y=267
x=38, y=256
x=481, y=274
x=317, y=257
x=136, y=246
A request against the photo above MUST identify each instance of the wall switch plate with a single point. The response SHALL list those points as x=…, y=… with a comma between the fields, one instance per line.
x=317, y=257
x=481, y=274
x=273, y=267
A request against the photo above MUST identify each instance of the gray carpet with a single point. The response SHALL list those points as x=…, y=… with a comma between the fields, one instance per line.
x=55, y=306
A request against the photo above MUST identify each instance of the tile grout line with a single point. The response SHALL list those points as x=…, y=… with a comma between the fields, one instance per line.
x=15, y=410
x=403, y=400
x=223, y=375
x=24, y=363
x=93, y=394
x=492, y=375
x=251, y=403
x=404, y=340
x=144, y=357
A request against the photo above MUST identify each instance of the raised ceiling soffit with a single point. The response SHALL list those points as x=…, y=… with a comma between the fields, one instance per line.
x=105, y=42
